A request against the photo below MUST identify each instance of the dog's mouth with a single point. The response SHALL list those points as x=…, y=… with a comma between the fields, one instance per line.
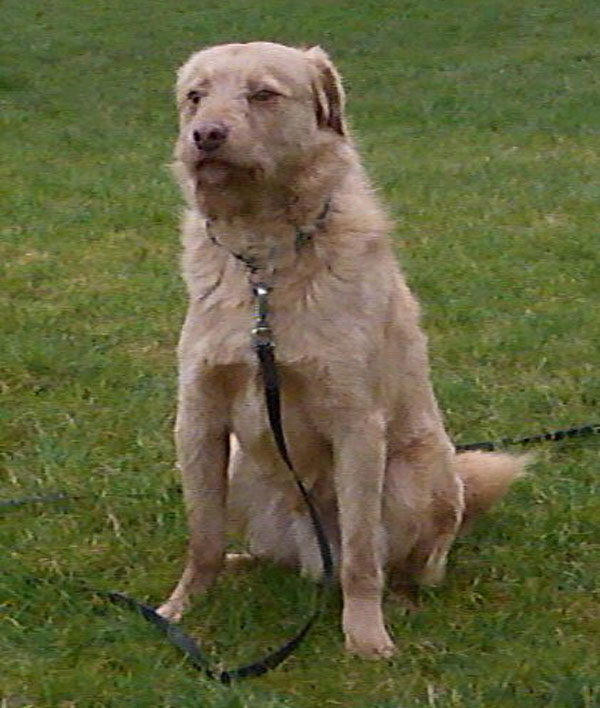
x=211, y=170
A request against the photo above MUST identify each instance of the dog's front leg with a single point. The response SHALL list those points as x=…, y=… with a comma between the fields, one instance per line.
x=202, y=450
x=359, y=460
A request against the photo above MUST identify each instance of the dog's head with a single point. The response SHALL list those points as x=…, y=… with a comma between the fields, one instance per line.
x=257, y=107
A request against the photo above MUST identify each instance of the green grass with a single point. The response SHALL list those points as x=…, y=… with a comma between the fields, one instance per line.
x=479, y=122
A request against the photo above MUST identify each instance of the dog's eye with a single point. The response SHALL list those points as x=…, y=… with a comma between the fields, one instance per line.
x=194, y=97
x=263, y=95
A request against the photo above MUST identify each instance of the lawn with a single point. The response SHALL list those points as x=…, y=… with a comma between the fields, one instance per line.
x=479, y=123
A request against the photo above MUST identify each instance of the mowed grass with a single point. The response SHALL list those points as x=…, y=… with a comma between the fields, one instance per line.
x=479, y=124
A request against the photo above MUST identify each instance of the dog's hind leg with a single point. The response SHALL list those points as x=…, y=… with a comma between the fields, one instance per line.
x=423, y=510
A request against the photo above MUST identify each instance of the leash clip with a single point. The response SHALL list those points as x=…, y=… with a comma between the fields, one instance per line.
x=261, y=332
x=261, y=336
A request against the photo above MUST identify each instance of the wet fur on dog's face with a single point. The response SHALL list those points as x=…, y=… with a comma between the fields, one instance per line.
x=269, y=107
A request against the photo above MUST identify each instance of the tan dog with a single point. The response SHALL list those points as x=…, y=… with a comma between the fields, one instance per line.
x=273, y=181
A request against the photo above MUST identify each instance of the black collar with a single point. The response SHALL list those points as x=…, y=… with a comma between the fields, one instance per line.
x=304, y=234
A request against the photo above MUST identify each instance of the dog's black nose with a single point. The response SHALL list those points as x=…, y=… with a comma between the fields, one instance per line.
x=210, y=136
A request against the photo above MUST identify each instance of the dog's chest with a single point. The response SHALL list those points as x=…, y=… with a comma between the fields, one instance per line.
x=303, y=420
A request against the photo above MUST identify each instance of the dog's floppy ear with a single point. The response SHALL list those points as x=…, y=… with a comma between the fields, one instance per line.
x=329, y=94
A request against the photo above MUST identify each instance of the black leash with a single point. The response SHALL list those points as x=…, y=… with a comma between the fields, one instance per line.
x=192, y=652
x=555, y=436
x=264, y=347
x=37, y=499
x=486, y=445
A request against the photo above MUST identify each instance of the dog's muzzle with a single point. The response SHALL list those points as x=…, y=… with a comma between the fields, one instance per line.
x=210, y=136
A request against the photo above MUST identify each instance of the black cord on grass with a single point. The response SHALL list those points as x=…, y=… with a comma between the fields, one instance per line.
x=486, y=445
x=38, y=499
x=51, y=497
x=555, y=436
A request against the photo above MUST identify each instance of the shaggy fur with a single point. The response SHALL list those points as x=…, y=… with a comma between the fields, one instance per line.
x=262, y=146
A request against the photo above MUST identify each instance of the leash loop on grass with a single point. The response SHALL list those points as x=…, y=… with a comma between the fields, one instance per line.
x=190, y=649
x=176, y=636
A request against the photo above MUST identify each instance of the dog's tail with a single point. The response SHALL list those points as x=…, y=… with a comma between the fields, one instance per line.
x=487, y=477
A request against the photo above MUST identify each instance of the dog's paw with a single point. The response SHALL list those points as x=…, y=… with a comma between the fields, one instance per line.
x=239, y=561
x=405, y=596
x=172, y=610
x=364, y=628
x=434, y=570
x=375, y=645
